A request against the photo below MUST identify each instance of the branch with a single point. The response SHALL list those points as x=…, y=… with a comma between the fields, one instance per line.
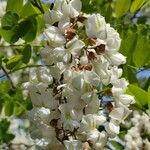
x=24, y=67
x=19, y=45
x=7, y=75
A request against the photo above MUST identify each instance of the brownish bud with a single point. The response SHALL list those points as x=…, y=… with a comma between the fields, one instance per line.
x=92, y=41
x=53, y=122
x=70, y=33
x=100, y=49
x=91, y=56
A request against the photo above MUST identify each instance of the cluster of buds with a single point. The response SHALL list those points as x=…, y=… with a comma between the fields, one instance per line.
x=79, y=101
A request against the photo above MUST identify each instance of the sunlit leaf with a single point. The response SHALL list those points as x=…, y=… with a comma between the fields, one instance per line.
x=121, y=7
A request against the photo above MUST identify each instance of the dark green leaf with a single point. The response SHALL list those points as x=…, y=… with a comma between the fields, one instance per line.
x=26, y=54
x=1, y=58
x=28, y=29
x=9, y=20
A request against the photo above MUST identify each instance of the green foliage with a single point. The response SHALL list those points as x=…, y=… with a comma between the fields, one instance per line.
x=12, y=62
x=148, y=95
x=140, y=95
x=136, y=4
x=21, y=21
x=141, y=52
x=9, y=20
x=26, y=54
x=12, y=100
x=121, y=7
x=116, y=145
x=5, y=136
x=28, y=29
x=29, y=10
x=14, y=7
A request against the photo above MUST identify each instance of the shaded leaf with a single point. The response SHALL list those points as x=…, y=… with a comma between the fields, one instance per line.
x=26, y=54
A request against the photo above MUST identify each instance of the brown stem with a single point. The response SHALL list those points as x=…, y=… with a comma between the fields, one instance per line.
x=7, y=75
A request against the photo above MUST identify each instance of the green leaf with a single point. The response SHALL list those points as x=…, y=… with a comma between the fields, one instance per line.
x=28, y=11
x=4, y=125
x=122, y=135
x=1, y=58
x=139, y=94
x=9, y=20
x=141, y=53
x=28, y=29
x=14, y=6
x=148, y=97
x=5, y=137
x=10, y=36
x=13, y=61
x=8, y=137
x=117, y=145
x=26, y=54
x=121, y=7
x=9, y=108
x=19, y=109
x=136, y=4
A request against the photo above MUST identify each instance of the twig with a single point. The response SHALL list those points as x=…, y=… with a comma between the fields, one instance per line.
x=24, y=67
x=7, y=75
x=18, y=45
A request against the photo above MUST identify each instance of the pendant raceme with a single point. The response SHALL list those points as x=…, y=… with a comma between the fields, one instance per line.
x=83, y=89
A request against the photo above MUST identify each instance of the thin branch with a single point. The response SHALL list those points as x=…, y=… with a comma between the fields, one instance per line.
x=19, y=45
x=7, y=75
x=24, y=67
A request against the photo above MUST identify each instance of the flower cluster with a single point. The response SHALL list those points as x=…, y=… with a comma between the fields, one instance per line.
x=81, y=97
x=138, y=135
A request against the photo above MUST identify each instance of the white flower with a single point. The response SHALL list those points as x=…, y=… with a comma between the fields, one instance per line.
x=96, y=26
x=112, y=129
x=63, y=8
x=126, y=99
x=119, y=86
x=73, y=145
x=41, y=96
x=118, y=59
x=119, y=113
x=54, y=36
x=73, y=47
x=91, y=122
x=113, y=40
x=69, y=117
